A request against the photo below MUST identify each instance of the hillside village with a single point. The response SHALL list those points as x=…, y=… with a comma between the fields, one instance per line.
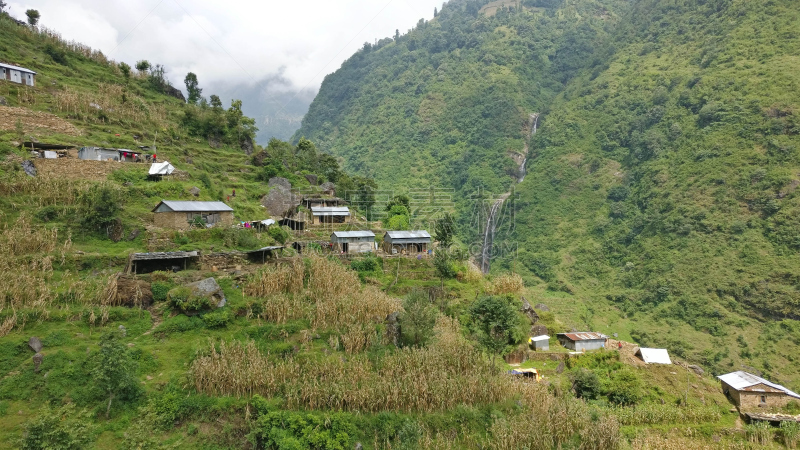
x=169, y=283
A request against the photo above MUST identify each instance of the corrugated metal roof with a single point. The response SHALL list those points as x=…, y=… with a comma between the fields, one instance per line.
x=415, y=234
x=654, y=355
x=21, y=69
x=543, y=337
x=188, y=206
x=584, y=336
x=741, y=380
x=330, y=211
x=162, y=255
x=354, y=234
x=267, y=249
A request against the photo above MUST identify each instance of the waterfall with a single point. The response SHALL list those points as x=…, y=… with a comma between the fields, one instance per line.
x=522, y=170
x=488, y=234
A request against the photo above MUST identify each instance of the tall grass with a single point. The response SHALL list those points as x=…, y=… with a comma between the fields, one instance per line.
x=506, y=284
x=759, y=433
x=655, y=414
x=41, y=191
x=447, y=374
x=790, y=431
x=110, y=102
x=334, y=297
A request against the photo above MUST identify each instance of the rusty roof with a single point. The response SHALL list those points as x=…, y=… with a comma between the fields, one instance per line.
x=584, y=336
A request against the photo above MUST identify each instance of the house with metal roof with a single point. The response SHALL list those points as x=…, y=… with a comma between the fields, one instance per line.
x=183, y=215
x=16, y=74
x=353, y=241
x=653, y=355
x=406, y=242
x=329, y=214
x=540, y=343
x=582, y=341
x=749, y=391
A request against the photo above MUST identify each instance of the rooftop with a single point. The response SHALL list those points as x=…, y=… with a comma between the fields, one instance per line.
x=353, y=234
x=543, y=337
x=654, y=355
x=741, y=380
x=189, y=206
x=330, y=211
x=415, y=234
x=21, y=69
x=584, y=336
x=162, y=255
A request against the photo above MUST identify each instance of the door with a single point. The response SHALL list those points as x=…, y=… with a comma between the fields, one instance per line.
x=345, y=247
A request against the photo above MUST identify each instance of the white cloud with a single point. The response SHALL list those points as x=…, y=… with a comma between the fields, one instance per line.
x=233, y=42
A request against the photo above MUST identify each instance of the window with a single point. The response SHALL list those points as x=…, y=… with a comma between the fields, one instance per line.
x=763, y=399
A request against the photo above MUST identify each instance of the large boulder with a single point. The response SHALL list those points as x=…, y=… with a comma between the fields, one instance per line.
x=209, y=288
x=280, y=201
x=312, y=179
x=527, y=309
x=328, y=188
x=29, y=168
x=37, y=361
x=195, y=191
x=280, y=181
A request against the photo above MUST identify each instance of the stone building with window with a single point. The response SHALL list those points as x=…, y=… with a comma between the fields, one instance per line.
x=182, y=215
x=749, y=391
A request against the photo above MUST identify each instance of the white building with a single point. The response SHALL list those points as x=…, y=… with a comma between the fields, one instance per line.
x=17, y=74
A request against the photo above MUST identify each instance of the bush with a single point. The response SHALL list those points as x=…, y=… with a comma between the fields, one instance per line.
x=179, y=324
x=160, y=291
x=48, y=213
x=417, y=320
x=183, y=299
x=217, y=319
x=279, y=234
x=586, y=384
x=63, y=428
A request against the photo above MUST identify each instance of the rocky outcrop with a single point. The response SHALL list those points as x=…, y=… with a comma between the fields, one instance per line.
x=280, y=181
x=209, y=288
x=280, y=201
x=35, y=344
x=312, y=179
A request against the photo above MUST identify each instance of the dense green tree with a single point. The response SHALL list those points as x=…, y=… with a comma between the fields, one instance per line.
x=33, y=17
x=497, y=323
x=142, y=66
x=194, y=92
x=99, y=207
x=444, y=230
x=125, y=69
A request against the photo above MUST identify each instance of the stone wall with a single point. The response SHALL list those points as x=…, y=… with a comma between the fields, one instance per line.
x=180, y=221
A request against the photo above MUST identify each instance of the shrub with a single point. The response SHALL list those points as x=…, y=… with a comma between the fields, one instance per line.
x=279, y=234
x=618, y=193
x=418, y=319
x=586, y=384
x=160, y=291
x=47, y=214
x=217, y=319
x=183, y=299
x=63, y=428
x=179, y=324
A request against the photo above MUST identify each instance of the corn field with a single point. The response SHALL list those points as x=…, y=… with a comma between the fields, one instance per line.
x=334, y=297
x=506, y=284
x=790, y=432
x=654, y=414
x=110, y=103
x=41, y=191
x=447, y=374
x=759, y=433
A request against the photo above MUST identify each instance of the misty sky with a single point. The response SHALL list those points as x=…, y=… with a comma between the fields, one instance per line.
x=236, y=47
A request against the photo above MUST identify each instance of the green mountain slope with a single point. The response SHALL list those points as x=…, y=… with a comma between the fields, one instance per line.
x=660, y=197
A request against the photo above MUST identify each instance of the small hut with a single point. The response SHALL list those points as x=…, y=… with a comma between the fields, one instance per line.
x=583, y=340
x=333, y=214
x=406, y=242
x=166, y=261
x=98, y=154
x=353, y=241
x=540, y=343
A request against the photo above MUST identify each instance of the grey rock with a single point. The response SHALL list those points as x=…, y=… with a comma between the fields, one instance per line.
x=280, y=201
x=329, y=188
x=697, y=369
x=37, y=361
x=616, y=335
x=246, y=144
x=134, y=234
x=539, y=330
x=312, y=179
x=35, y=344
x=195, y=191
x=541, y=307
x=560, y=368
x=209, y=288
x=3, y=101
x=528, y=311
x=29, y=168
x=393, y=328
x=279, y=181
x=123, y=331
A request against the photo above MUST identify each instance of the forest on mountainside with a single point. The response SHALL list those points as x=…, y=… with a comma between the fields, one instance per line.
x=660, y=186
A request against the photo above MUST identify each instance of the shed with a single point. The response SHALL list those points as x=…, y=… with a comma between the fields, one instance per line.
x=406, y=242
x=17, y=74
x=263, y=254
x=293, y=224
x=333, y=214
x=749, y=391
x=653, y=355
x=353, y=241
x=583, y=340
x=166, y=261
x=126, y=155
x=98, y=154
x=183, y=214
x=540, y=343
x=526, y=373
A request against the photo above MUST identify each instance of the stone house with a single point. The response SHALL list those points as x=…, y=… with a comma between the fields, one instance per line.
x=583, y=340
x=181, y=215
x=17, y=74
x=406, y=242
x=749, y=391
x=353, y=241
